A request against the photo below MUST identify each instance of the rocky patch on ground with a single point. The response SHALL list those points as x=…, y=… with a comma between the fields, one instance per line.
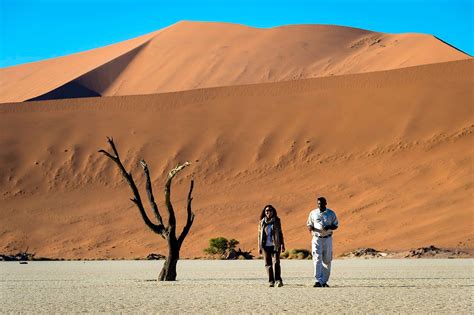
x=435, y=252
x=421, y=252
x=239, y=254
x=21, y=256
x=365, y=252
x=154, y=256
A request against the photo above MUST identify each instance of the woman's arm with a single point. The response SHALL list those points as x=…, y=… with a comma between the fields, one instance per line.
x=282, y=239
x=259, y=238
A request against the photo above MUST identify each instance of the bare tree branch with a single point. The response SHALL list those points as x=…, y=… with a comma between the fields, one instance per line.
x=113, y=158
x=169, y=206
x=129, y=178
x=176, y=170
x=149, y=191
x=110, y=140
x=190, y=218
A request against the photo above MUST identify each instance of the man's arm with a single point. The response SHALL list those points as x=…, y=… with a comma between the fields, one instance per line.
x=313, y=229
x=309, y=224
x=334, y=225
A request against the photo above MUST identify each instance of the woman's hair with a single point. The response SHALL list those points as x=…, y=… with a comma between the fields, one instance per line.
x=262, y=215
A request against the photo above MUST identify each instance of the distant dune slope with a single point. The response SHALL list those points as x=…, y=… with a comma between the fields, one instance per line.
x=392, y=152
x=24, y=82
x=190, y=55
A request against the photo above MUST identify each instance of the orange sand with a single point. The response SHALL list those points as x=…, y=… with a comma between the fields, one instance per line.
x=392, y=152
x=190, y=55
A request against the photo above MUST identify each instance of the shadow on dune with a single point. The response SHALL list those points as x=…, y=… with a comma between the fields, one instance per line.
x=93, y=83
x=69, y=90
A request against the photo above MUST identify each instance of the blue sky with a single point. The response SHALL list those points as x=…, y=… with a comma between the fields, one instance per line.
x=35, y=30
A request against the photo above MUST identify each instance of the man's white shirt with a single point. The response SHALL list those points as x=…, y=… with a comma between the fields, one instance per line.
x=318, y=219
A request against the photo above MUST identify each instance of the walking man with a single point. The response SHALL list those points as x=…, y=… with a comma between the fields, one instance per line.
x=321, y=223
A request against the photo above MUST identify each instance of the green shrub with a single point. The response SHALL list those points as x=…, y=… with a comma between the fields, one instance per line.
x=222, y=248
x=217, y=246
x=297, y=253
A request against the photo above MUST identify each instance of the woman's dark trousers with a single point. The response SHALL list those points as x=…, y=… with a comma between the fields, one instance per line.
x=272, y=263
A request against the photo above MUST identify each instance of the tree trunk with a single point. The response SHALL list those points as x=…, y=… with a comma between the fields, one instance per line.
x=168, y=272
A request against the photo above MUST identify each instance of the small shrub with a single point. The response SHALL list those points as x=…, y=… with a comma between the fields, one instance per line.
x=232, y=244
x=297, y=253
x=222, y=248
x=217, y=246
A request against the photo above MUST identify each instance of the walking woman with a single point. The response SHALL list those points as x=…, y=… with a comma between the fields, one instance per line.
x=271, y=243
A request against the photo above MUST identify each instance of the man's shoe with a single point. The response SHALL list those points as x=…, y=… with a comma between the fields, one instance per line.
x=326, y=285
x=272, y=284
x=279, y=284
x=317, y=285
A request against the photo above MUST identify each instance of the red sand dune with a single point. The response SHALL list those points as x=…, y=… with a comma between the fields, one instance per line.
x=392, y=152
x=190, y=55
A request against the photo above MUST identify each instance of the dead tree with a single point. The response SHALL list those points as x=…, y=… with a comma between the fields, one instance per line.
x=168, y=232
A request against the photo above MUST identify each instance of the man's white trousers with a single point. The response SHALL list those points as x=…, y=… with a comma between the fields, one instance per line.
x=322, y=255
